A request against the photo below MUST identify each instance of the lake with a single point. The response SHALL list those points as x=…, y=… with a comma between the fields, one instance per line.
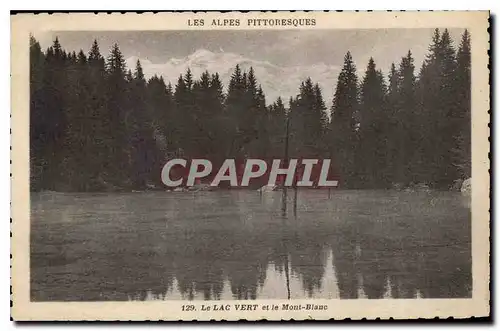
x=238, y=245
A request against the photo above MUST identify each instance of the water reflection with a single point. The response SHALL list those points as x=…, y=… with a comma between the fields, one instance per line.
x=236, y=245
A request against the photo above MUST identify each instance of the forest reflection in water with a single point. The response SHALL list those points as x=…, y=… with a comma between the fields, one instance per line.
x=237, y=245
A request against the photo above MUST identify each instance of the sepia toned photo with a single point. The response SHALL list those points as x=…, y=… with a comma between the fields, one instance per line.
x=250, y=166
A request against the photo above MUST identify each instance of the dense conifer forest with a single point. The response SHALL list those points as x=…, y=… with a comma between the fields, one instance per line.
x=96, y=125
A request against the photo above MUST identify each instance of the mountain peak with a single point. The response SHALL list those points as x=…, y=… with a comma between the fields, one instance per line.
x=200, y=54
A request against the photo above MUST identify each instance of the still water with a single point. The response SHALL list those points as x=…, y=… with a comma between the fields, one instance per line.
x=237, y=245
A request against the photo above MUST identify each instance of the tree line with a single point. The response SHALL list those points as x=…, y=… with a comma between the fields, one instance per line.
x=96, y=125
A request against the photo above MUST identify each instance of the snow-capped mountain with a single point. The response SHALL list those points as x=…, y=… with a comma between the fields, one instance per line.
x=275, y=80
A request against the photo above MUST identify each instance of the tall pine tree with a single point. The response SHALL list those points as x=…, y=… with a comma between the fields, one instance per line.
x=462, y=151
x=373, y=130
x=343, y=128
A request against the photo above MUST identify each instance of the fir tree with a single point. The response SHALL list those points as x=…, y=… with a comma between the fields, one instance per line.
x=462, y=152
x=307, y=121
x=343, y=127
x=407, y=130
x=39, y=126
x=373, y=130
x=234, y=108
x=118, y=165
x=99, y=119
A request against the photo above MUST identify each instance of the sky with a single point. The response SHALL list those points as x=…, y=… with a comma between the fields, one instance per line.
x=283, y=48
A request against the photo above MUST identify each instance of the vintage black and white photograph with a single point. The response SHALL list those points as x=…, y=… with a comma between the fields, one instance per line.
x=281, y=164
